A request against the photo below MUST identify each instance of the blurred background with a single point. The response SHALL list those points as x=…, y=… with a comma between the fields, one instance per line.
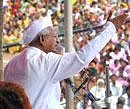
x=18, y=14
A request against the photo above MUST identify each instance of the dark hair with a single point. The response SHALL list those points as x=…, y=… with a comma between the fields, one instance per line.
x=13, y=96
x=113, y=75
x=121, y=100
x=127, y=88
x=10, y=100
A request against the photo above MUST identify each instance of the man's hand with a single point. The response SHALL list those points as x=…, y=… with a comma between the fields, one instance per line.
x=119, y=20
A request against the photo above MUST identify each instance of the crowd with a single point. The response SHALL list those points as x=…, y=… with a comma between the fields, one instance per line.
x=86, y=13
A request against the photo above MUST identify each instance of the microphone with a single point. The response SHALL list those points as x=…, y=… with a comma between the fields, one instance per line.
x=87, y=78
x=80, y=86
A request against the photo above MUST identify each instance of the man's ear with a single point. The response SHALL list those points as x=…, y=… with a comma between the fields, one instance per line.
x=42, y=40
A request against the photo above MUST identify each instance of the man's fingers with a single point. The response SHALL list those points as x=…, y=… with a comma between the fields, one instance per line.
x=119, y=20
x=109, y=15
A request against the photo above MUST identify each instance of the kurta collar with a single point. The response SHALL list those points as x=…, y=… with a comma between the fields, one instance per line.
x=36, y=49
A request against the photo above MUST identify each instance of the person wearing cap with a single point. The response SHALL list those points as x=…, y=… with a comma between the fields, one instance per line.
x=99, y=89
x=39, y=69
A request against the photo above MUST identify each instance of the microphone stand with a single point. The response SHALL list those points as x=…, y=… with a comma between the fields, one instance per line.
x=84, y=82
x=76, y=90
x=68, y=81
x=88, y=94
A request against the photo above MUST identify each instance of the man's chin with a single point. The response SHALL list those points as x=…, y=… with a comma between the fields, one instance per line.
x=54, y=51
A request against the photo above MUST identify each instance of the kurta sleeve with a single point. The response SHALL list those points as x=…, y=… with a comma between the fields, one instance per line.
x=90, y=50
x=71, y=63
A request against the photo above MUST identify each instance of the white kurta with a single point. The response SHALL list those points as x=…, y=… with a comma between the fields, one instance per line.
x=39, y=73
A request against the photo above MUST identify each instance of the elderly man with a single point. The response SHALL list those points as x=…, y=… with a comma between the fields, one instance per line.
x=38, y=69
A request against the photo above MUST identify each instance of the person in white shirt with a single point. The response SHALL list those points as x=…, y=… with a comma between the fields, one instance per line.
x=39, y=69
x=115, y=86
x=99, y=90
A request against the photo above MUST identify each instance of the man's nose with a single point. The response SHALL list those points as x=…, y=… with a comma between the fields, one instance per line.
x=57, y=40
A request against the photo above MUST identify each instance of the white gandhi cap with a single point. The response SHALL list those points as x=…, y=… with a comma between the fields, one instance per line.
x=35, y=27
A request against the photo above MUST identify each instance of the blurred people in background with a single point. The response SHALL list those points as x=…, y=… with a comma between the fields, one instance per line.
x=115, y=86
x=120, y=103
x=99, y=90
x=127, y=98
x=86, y=13
x=39, y=69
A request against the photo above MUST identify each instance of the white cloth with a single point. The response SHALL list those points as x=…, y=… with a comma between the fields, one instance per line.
x=35, y=27
x=80, y=105
x=39, y=73
x=116, y=89
x=98, y=92
x=127, y=101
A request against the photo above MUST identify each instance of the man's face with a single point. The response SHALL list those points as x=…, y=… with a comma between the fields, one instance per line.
x=100, y=84
x=51, y=42
x=113, y=78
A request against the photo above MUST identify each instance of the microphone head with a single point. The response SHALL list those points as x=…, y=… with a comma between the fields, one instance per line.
x=92, y=71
